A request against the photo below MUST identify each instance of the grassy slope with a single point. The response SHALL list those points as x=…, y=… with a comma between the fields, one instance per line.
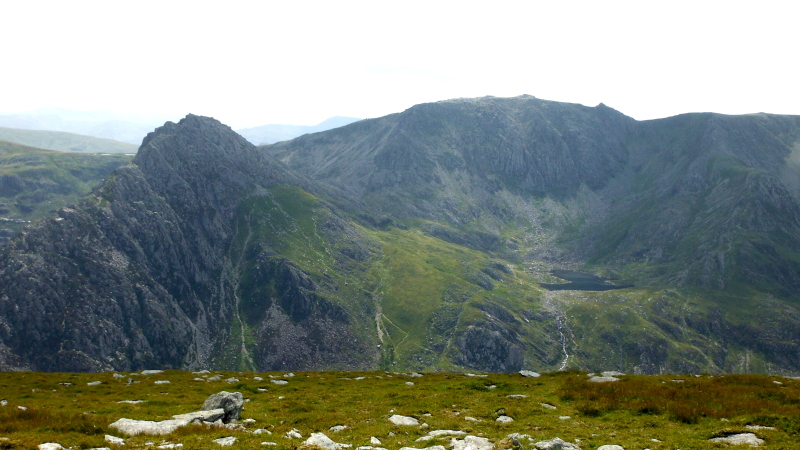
x=65, y=142
x=631, y=413
x=422, y=292
x=49, y=180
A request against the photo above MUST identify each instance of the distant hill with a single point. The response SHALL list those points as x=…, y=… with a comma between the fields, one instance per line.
x=124, y=127
x=269, y=134
x=65, y=142
x=34, y=183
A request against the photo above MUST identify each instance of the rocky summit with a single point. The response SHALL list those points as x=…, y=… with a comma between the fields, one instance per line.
x=482, y=234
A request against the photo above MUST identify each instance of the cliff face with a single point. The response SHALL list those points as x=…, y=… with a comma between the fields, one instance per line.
x=139, y=273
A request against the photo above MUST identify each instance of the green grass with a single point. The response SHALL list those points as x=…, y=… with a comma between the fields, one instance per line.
x=42, y=181
x=630, y=412
x=65, y=142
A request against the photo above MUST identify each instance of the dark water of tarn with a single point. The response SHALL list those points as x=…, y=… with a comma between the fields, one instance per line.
x=579, y=281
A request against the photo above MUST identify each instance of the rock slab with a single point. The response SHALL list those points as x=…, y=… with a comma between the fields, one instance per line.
x=740, y=439
x=134, y=427
x=471, y=443
x=555, y=444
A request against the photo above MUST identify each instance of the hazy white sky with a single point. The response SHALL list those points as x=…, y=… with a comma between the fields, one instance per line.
x=251, y=63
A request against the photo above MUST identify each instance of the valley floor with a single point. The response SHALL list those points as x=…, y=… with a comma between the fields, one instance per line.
x=635, y=412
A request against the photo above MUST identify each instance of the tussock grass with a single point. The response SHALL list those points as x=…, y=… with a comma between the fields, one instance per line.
x=630, y=412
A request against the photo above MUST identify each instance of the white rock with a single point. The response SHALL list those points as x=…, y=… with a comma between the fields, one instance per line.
x=249, y=420
x=409, y=383
x=777, y=382
x=358, y=378
x=169, y=445
x=374, y=441
x=232, y=380
x=94, y=383
x=290, y=374
x=758, y=427
x=3, y=402
x=279, y=382
x=433, y=447
x=262, y=390
x=613, y=373
x=437, y=433
x=471, y=419
x=200, y=372
x=151, y=372
x=610, y=447
x=529, y=374
x=225, y=442
x=740, y=439
x=603, y=379
x=424, y=426
x=404, y=420
x=294, y=434
x=564, y=417
x=258, y=379
x=50, y=446
x=134, y=427
x=206, y=416
x=269, y=443
x=113, y=440
x=555, y=444
x=262, y=431
x=161, y=382
x=320, y=439
x=131, y=402
x=118, y=375
x=471, y=443
x=504, y=419
x=101, y=448
x=22, y=408
x=215, y=378
x=517, y=396
x=338, y=428
x=547, y=406
x=199, y=379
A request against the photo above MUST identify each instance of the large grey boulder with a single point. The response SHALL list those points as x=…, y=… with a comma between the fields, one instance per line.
x=231, y=402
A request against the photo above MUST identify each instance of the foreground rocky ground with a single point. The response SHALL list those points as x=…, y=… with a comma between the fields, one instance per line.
x=385, y=410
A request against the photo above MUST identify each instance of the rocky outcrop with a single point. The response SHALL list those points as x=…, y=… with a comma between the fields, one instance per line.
x=139, y=273
x=230, y=402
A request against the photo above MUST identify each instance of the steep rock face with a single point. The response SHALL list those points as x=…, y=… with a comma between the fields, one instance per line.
x=444, y=160
x=138, y=274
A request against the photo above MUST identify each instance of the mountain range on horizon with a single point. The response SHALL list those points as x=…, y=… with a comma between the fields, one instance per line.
x=131, y=128
x=489, y=234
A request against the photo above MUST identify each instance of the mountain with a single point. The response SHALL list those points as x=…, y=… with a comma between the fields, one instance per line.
x=439, y=238
x=124, y=127
x=64, y=142
x=268, y=134
x=34, y=183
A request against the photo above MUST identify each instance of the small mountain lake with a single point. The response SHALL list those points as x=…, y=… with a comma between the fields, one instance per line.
x=579, y=281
